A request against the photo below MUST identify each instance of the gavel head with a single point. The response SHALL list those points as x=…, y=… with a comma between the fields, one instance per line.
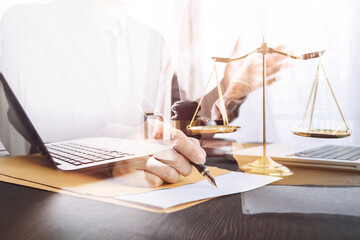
x=184, y=111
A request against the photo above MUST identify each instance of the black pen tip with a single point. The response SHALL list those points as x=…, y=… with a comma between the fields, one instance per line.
x=211, y=180
x=214, y=183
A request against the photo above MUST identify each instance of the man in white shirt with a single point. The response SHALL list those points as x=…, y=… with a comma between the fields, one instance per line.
x=81, y=69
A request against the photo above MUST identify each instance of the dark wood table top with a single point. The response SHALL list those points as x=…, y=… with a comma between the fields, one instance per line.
x=27, y=213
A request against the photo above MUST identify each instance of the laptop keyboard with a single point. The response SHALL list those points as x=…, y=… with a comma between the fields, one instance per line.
x=332, y=152
x=77, y=154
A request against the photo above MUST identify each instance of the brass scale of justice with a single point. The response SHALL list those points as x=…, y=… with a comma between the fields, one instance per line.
x=264, y=164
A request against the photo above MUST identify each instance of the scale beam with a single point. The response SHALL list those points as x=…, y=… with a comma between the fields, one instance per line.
x=261, y=50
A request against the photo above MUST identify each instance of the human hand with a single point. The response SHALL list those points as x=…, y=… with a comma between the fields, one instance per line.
x=243, y=76
x=151, y=172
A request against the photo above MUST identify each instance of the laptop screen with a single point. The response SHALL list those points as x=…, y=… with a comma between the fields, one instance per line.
x=15, y=125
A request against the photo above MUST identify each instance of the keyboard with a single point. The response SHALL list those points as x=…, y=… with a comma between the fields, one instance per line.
x=348, y=153
x=78, y=154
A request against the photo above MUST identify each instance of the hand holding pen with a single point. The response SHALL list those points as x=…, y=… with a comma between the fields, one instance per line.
x=168, y=165
x=182, y=150
x=171, y=154
x=154, y=171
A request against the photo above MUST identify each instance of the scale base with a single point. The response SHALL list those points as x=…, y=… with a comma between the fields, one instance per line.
x=266, y=166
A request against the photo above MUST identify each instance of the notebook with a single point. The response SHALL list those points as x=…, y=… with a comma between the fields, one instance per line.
x=320, y=155
x=83, y=155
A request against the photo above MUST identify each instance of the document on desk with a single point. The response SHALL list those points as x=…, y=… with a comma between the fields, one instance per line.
x=230, y=183
x=303, y=199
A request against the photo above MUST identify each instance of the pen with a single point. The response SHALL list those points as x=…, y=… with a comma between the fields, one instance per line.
x=205, y=172
x=171, y=154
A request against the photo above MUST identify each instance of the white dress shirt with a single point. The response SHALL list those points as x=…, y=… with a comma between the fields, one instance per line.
x=72, y=81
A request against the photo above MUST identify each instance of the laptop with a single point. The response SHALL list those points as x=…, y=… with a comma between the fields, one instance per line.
x=314, y=155
x=82, y=155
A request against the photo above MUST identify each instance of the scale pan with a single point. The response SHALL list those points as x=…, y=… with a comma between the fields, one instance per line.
x=322, y=133
x=214, y=129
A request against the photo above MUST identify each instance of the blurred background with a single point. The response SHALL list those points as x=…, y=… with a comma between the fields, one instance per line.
x=196, y=30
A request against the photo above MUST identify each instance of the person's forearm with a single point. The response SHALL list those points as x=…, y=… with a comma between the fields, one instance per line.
x=209, y=101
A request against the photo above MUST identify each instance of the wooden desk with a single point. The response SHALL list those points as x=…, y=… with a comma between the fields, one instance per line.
x=27, y=213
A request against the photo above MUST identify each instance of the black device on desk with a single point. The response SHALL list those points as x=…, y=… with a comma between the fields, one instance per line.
x=81, y=155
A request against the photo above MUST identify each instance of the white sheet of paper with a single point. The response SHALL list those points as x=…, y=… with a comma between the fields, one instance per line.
x=302, y=199
x=230, y=183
